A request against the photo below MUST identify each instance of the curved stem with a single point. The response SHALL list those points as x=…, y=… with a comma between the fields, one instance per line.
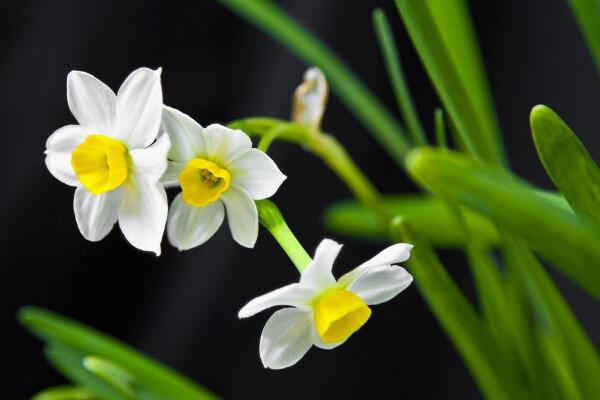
x=324, y=146
x=270, y=217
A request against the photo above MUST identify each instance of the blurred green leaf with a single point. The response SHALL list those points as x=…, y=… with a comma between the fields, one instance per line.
x=69, y=362
x=444, y=38
x=158, y=378
x=571, y=243
x=387, y=44
x=65, y=392
x=587, y=13
x=267, y=16
x=428, y=214
x=567, y=162
x=570, y=352
x=458, y=318
x=115, y=376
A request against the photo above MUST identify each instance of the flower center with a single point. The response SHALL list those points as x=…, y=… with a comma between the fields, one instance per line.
x=203, y=182
x=100, y=163
x=338, y=314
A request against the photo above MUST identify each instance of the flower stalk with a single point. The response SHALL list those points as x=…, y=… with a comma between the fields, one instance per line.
x=271, y=218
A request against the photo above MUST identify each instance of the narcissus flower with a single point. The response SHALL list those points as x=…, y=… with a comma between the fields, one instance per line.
x=217, y=169
x=325, y=312
x=114, y=157
x=310, y=98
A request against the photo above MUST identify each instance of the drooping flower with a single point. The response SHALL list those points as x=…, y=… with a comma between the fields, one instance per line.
x=217, y=169
x=310, y=98
x=114, y=157
x=325, y=312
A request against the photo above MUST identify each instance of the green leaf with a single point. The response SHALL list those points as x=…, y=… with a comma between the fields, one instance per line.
x=428, y=214
x=69, y=362
x=587, y=13
x=568, y=348
x=444, y=38
x=567, y=162
x=457, y=317
x=352, y=92
x=115, y=376
x=569, y=242
x=387, y=44
x=157, y=377
x=65, y=392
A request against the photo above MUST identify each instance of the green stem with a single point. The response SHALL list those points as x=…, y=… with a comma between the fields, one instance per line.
x=328, y=149
x=265, y=141
x=352, y=92
x=387, y=44
x=270, y=217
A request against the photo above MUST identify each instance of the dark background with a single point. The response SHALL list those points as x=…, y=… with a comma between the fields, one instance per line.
x=181, y=308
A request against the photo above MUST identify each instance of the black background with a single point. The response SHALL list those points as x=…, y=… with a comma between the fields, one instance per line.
x=181, y=308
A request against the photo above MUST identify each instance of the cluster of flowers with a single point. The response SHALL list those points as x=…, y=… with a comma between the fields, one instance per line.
x=128, y=147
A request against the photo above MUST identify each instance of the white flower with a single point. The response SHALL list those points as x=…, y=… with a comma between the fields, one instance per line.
x=325, y=312
x=217, y=169
x=114, y=157
x=309, y=99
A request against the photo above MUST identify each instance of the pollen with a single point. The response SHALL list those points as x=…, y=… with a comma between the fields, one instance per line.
x=202, y=182
x=338, y=314
x=100, y=163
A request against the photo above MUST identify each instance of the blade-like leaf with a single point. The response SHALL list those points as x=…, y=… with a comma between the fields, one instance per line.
x=158, y=378
x=352, y=92
x=428, y=214
x=387, y=44
x=65, y=392
x=458, y=318
x=69, y=362
x=567, y=162
x=570, y=242
x=587, y=13
x=568, y=348
x=444, y=38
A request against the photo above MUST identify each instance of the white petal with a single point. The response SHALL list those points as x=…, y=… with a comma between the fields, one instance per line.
x=310, y=98
x=152, y=161
x=185, y=134
x=242, y=216
x=139, y=108
x=92, y=103
x=379, y=284
x=291, y=295
x=96, y=214
x=223, y=145
x=393, y=254
x=322, y=345
x=318, y=272
x=59, y=165
x=58, y=152
x=171, y=176
x=286, y=338
x=257, y=173
x=190, y=226
x=143, y=213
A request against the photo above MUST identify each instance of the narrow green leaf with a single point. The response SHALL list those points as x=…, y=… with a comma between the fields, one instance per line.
x=69, y=362
x=587, y=13
x=569, y=242
x=457, y=317
x=387, y=44
x=65, y=392
x=439, y=128
x=157, y=377
x=444, y=38
x=267, y=16
x=567, y=162
x=115, y=376
x=569, y=349
x=428, y=214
